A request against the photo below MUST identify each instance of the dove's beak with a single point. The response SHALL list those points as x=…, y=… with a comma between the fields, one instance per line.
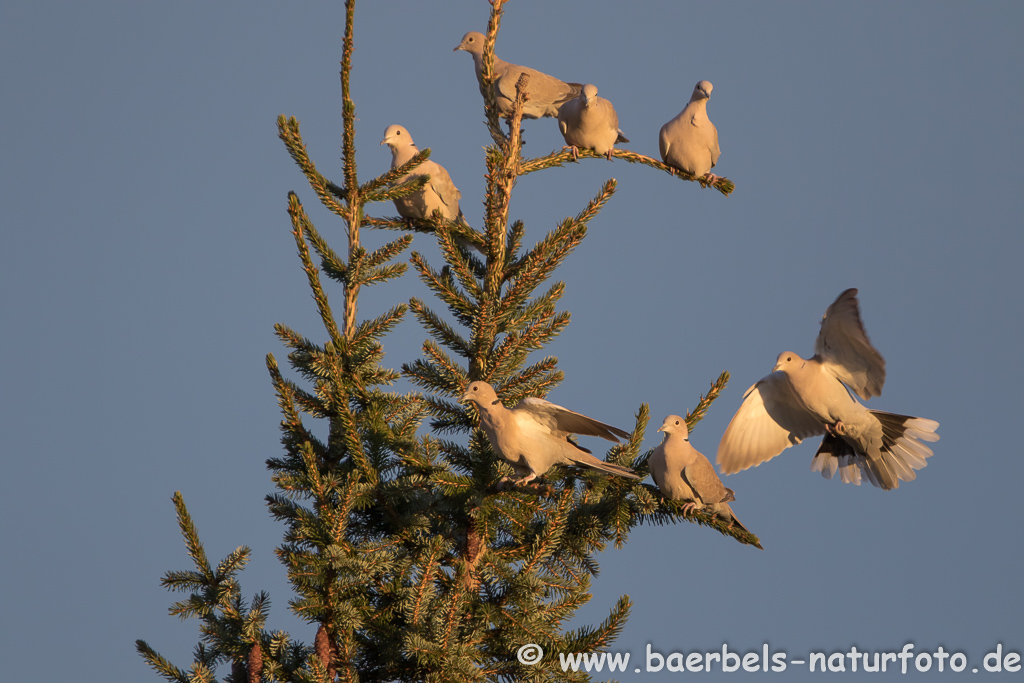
x=457, y=47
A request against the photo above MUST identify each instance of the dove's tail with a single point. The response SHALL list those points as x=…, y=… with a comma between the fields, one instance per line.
x=836, y=455
x=584, y=459
x=724, y=510
x=901, y=453
x=464, y=242
x=902, y=447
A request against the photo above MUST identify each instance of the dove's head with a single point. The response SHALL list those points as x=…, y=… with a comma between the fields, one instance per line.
x=674, y=424
x=702, y=91
x=472, y=42
x=788, y=361
x=588, y=94
x=480, y=393
x=396, y=136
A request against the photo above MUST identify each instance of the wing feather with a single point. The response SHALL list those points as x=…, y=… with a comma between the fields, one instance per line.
x=769, y=421
x=564, y=421
x=701, y=477
x=845, y=351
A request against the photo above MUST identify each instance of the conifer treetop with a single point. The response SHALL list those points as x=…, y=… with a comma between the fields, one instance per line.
x=408, y=557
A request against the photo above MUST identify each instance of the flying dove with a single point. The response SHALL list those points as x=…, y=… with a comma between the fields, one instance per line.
x=689, y=142
x=533, y=436
x=438, y=193
x=590, y=122
x=803, y=398
x=684, y=473
x=547, y=93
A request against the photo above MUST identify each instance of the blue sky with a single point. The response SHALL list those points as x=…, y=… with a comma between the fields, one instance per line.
x=146, y=256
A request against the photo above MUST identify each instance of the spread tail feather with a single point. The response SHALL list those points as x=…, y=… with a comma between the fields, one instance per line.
x=901, y=453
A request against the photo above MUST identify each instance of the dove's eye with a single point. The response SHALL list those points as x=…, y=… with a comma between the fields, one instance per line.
x=789, y=358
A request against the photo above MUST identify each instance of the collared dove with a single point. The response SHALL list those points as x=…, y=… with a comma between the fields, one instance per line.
x=689, y=142
x=533, y=436
x=804, y=398
x=590, y=122
x=547, y=93
x=438, y=193
x=684, y=473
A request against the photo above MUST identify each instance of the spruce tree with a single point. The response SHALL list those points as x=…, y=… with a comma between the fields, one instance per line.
x=407, y=555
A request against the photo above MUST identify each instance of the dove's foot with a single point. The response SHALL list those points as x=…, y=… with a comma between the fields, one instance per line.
x=525, y=480
x=711, y=178
x=575, y=151
x=689, y=507
x=609, y=154
x=836, y=429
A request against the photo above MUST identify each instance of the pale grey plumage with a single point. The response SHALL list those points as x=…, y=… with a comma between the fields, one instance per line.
x=684, y=473
x=689, y=142
x=438, y=194
x=532, y=436
x=547, y=93
x=803, y=398
x=590, y=122
x=843, y=346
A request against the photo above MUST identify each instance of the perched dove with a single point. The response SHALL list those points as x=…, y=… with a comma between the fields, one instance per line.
x=438, y=193
x=590, y=122
x=547, y=93
x=689, y=142
x=684, y=473
x=533, y=435
x=804, y=398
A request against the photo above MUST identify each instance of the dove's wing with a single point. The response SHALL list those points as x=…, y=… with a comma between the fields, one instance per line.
x=565, y=421
x=442, y=185
x=569, y=117
x=664, y=142
x=843, y=348
x=606, y=115
x=602, y=130
x=701, y=477
x=546, y=93
x=770, y=420
x=716, y=151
